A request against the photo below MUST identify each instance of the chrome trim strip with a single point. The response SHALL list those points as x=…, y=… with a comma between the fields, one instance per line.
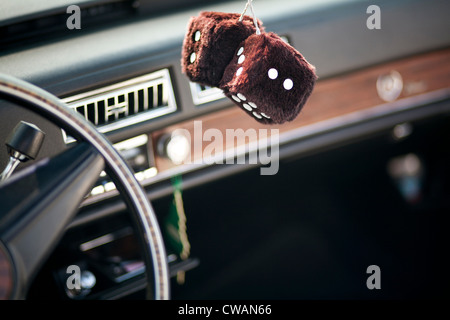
x=378, y=111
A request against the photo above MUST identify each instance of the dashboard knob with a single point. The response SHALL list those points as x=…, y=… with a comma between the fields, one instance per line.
x=23, y=144
x=87, y=280
x=25, y=141
x=175, y=146
x=390, y=86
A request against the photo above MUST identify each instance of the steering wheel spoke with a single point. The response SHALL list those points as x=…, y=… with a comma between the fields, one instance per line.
x=39, y=201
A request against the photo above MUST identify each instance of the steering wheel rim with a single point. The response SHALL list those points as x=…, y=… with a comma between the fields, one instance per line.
x=50, y=107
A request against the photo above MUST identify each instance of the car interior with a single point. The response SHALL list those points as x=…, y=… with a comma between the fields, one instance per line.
x=123, y=179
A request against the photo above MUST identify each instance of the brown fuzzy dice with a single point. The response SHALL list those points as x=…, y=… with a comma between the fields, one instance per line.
x=261, y=73
x=268, y=78
x=210, y=43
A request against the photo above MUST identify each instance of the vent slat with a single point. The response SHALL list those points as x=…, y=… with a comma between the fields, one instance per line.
x=154, y=96
x=145, y=99
x=126, y=103
x=136, y=102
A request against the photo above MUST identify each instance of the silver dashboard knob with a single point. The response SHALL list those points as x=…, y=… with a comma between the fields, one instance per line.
x=389, y=86
x=175, y=146
x=87, y=280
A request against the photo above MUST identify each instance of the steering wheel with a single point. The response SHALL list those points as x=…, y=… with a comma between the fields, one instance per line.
x=37, y=203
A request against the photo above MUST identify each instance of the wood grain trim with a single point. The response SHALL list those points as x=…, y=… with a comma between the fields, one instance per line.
x=331, y=98
x=6, y=275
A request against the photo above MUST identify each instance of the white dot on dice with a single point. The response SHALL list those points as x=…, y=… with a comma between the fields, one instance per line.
x=288, y=84
x=197, y=36
x=272, y=73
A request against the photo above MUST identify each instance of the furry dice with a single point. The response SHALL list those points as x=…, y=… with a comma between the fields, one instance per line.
x=210, y=43
x=268, y=78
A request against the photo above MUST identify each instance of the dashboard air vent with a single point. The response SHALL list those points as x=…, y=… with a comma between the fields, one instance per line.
x=203, y=94
x=126, y=103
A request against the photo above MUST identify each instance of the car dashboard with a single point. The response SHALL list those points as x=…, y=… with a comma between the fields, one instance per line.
x=341, y=196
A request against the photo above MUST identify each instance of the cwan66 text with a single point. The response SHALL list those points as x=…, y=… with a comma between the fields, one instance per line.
x=246, y=309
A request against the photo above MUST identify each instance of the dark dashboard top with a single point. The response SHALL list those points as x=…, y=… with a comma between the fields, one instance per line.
x=414, y=26
x=17, y=11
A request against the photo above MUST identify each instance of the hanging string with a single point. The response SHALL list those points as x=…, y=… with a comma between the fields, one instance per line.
x=245, y=10
x=255, y=21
